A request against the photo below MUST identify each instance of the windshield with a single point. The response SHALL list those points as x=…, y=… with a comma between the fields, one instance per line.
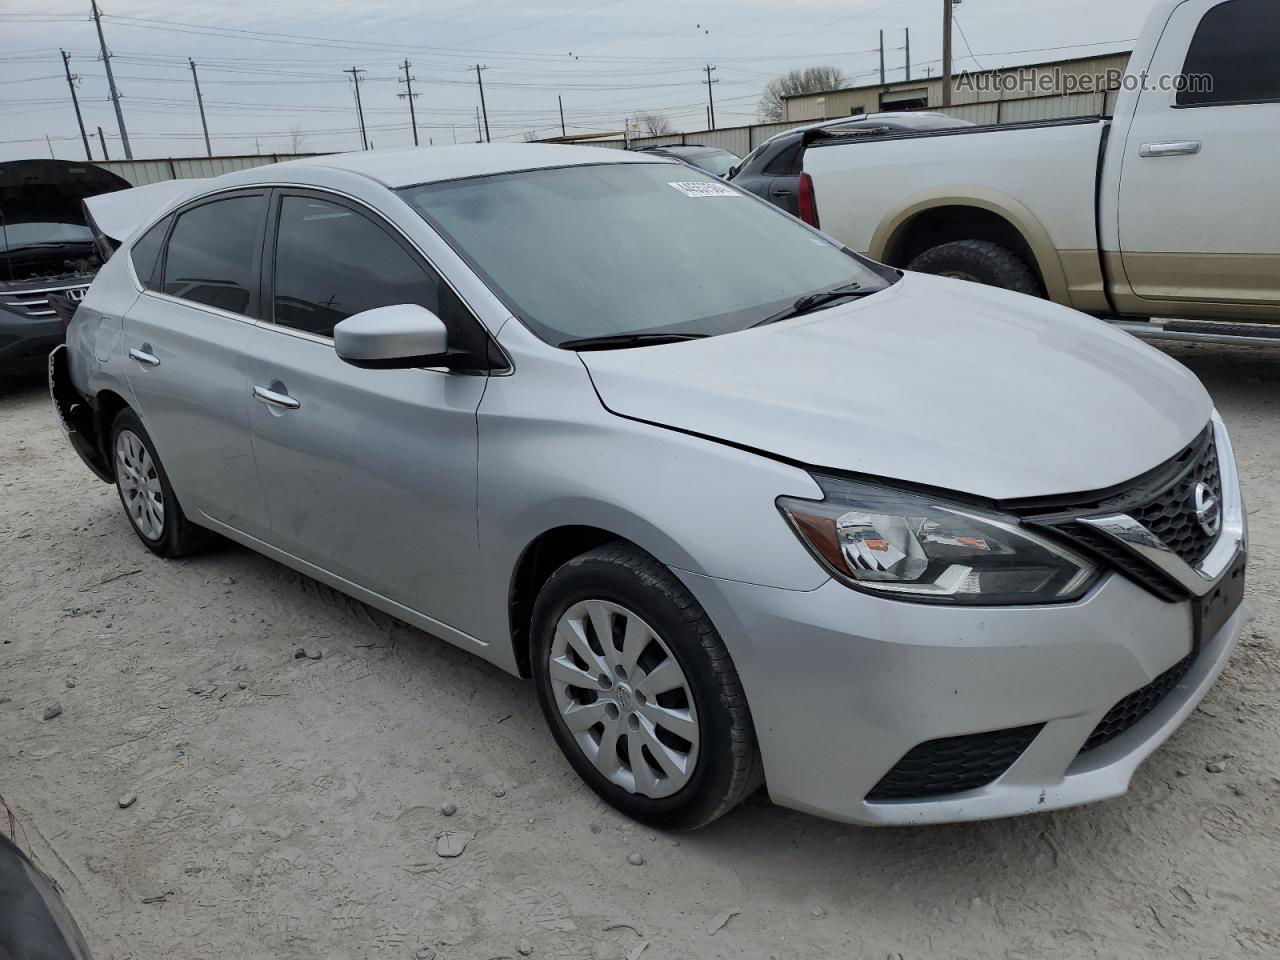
x=18, y=235
x=624, y=248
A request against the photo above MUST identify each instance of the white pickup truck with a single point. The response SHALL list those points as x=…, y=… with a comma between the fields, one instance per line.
x=1169, y=209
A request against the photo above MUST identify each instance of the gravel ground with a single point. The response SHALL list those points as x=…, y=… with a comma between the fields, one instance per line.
x=290, y=807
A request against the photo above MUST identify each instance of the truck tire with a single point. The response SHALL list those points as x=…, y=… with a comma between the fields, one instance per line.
x=979, y=261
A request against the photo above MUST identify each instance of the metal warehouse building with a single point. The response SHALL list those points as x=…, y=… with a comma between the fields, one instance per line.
x=1038, y=91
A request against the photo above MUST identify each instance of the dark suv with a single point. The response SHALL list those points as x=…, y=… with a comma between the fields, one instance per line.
x=774, y=170
x=47, y=251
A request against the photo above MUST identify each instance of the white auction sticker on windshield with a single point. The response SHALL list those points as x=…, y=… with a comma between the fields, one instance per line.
x=700, y=188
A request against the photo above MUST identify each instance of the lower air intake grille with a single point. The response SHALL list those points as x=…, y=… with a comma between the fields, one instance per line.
x=953, y=764
x=1133, y=708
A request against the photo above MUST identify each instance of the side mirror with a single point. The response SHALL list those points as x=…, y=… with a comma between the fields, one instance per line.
x=392, y=338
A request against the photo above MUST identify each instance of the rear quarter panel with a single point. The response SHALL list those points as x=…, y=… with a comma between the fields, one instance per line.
x=1041, y=178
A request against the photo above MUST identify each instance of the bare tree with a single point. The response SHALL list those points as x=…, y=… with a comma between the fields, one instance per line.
x=297, y=139
x=809, y=80
x=653, y=124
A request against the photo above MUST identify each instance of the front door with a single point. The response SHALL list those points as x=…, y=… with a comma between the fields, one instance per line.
x=183, y=346
x=1200, y=175
x=369, y=474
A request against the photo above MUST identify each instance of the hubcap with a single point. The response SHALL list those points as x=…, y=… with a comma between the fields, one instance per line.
x=624, y=698
x=140, y=485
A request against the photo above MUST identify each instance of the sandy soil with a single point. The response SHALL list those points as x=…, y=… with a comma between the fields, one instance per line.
x=289, y=808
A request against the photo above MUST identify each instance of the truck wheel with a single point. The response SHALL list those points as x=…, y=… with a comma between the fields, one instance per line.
x=979, y=261
x=640, y=692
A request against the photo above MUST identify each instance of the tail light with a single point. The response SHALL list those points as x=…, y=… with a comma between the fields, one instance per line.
x=804, y=197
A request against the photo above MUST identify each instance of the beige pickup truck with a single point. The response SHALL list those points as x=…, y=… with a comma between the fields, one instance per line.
x=1169, y=209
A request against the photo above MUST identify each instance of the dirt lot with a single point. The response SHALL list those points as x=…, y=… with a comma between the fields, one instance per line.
x=289, y=807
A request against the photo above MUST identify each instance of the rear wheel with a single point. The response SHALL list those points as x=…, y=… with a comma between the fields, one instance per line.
x=979, y=261
x=145, y=492
x=640, y=692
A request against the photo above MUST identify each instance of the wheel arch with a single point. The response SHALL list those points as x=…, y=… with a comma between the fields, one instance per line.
x=539, y=559
x=976, y=214
x=107, y=405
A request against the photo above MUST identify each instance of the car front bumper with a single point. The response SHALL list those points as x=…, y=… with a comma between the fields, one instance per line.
x=842, y=685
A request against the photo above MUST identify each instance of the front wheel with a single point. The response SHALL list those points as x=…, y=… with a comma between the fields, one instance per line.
x=640, y=692
x=979, y=261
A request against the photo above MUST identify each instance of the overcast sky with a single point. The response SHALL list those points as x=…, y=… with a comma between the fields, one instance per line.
x=271, y=70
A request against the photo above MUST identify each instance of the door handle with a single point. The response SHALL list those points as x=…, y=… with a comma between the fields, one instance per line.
x=144, y=355
x=275, y=399
x=1174, y=148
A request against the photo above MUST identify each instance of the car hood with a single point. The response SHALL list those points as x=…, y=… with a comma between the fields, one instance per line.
x=933, y=381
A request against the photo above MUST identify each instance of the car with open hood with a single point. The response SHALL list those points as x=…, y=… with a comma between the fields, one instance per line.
x=48, y=254
x=747, y=507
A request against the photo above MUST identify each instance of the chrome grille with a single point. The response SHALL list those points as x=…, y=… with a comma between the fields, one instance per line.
x=34, y=302
x=1162, y=501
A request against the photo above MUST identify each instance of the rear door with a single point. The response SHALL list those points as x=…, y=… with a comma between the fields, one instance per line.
x=369, y=474
x=183, y=345
x=1200, y=174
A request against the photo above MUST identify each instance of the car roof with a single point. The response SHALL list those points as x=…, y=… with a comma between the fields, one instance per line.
x=408, y=166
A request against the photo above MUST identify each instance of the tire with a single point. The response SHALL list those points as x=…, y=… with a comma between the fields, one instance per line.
x=145, y=491
x=980, y=261
x=721, y=766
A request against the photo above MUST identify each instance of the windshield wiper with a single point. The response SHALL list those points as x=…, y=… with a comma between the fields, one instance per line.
x=812, y=301
x=618, y=341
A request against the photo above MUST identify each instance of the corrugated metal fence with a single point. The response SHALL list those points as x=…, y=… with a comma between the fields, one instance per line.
x=141, y=172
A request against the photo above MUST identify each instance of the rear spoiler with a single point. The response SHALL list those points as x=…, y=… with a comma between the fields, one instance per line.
x=115, y=217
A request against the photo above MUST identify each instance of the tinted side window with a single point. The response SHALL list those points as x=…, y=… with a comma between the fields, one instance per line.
x=146, y=252
x=332, y=262
x=787, y=161
x=1235, y=47
x=210, y=256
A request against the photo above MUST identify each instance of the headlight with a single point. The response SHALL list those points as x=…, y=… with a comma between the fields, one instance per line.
x=916, y=547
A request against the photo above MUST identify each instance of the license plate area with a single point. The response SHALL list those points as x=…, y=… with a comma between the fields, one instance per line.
x=1215, y=608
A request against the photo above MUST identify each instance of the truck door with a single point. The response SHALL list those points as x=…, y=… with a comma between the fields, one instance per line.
x=1197, y=217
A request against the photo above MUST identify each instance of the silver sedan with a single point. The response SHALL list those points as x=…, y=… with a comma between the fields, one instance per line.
x=745, y=506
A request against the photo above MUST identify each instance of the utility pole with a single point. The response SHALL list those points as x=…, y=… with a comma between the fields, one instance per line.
x=409, y=95
x=356, y=81
x=560, y=100
x=908, y=53
x=483, y=109
x=71, y=83
x=50, y=143
x=882, y=58
x=946, y=53
x=711, y=102
x=200, y=103
x=111, y=81
x=102, y=140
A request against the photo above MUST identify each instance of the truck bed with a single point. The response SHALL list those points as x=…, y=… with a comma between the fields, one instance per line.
x=1043, y=172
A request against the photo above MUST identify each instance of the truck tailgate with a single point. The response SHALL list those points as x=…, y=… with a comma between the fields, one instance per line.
x=1044, y=172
